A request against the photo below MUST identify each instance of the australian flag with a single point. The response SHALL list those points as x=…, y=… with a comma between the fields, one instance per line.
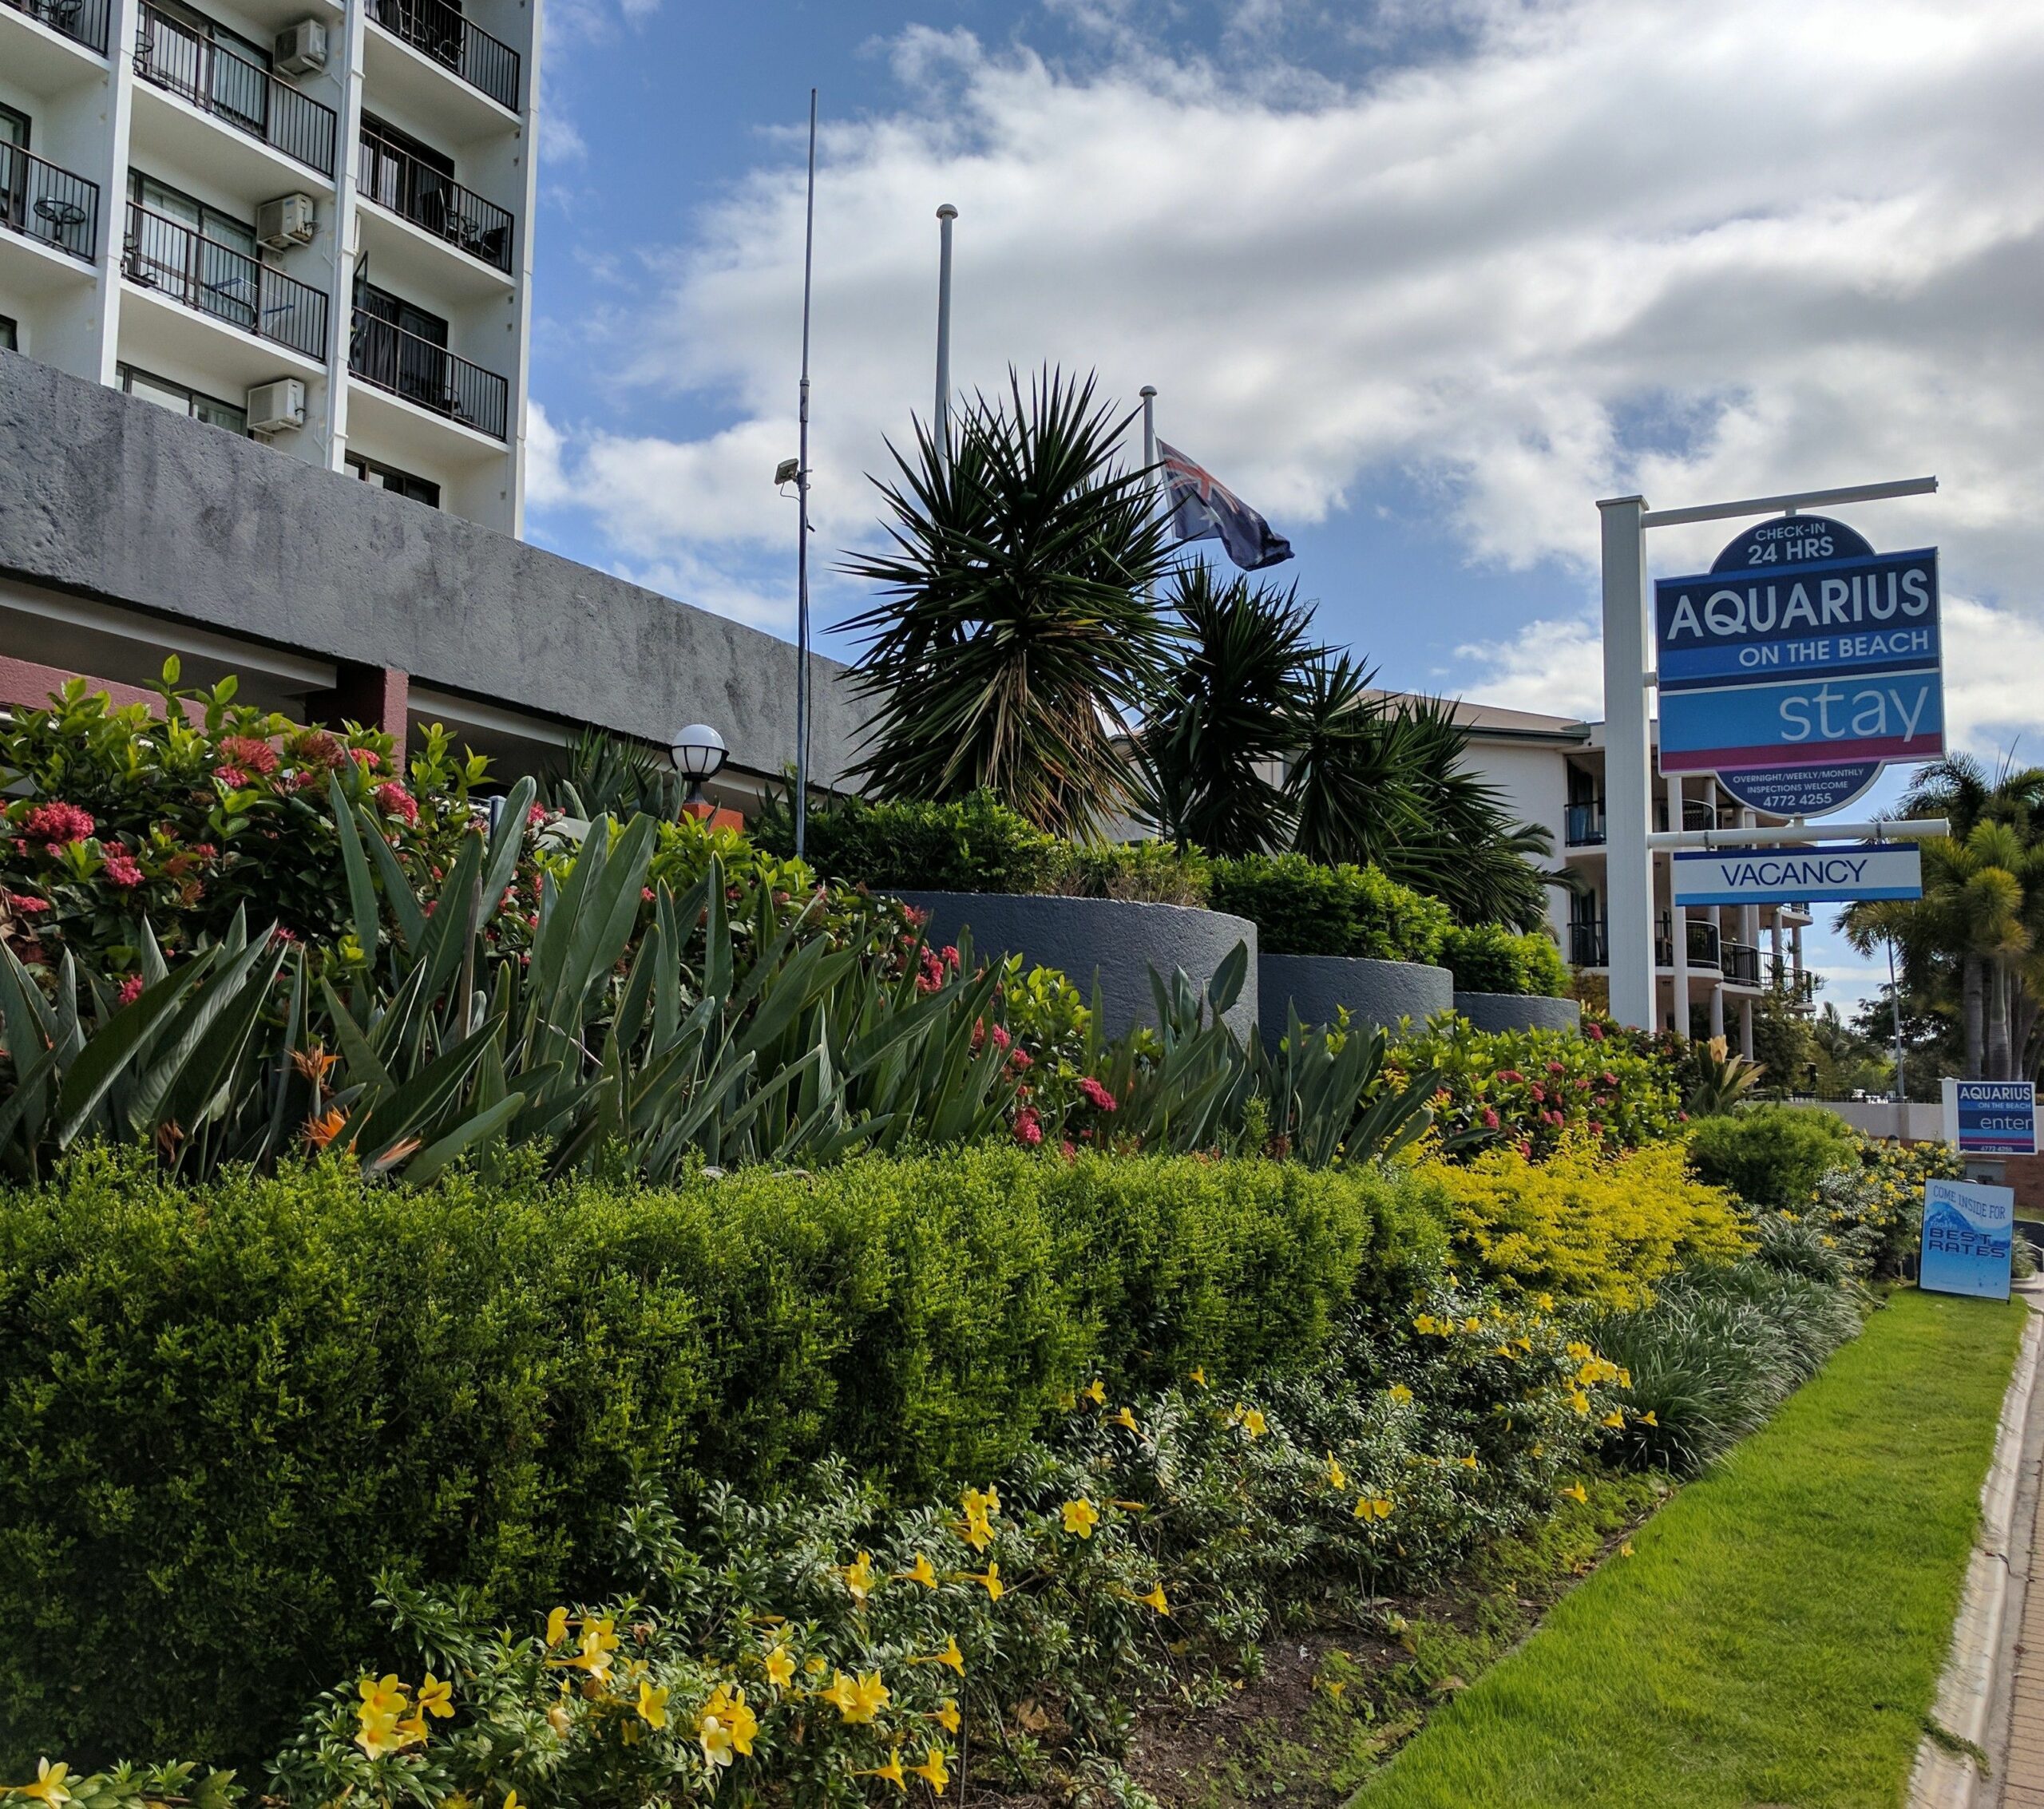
x=1204, y=508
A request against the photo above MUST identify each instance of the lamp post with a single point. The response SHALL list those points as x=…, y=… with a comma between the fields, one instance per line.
x=699, y=753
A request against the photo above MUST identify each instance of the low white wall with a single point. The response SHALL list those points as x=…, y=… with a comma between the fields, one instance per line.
x=1923, y=1123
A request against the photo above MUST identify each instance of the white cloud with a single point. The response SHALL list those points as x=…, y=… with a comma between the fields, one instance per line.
x=1702, y=248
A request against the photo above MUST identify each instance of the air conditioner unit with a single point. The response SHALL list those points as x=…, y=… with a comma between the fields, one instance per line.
x=285, y=222
x=301, y=47
x=273, y=407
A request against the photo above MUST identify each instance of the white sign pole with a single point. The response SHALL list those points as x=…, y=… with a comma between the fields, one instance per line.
x=1628, y=780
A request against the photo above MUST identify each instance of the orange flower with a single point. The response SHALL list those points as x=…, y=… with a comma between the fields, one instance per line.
x=322, y=1131
x=314, y=1063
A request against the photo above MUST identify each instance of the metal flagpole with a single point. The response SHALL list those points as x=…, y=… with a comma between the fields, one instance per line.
x=1901, y=1086
x=801, y=512
x=940, y=419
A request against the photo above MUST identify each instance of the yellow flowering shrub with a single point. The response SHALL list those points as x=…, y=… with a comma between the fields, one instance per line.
x=1583, y=1225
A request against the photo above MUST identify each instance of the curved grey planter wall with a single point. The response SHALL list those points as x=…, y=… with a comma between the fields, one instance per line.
x=1107, y=939
x=1374, y=992
x=1516, y=1011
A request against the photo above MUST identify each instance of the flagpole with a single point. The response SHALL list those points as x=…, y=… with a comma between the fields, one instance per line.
x=801, y=510
x=940, y=418
x=1149, y=393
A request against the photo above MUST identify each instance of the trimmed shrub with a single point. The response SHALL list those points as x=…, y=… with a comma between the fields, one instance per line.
x=1585, y=1225
x=1490, y=958
x=975, y=845
x=1300, y=907
x=1774, y=1156
x=228, y=1407
x=1142, y=873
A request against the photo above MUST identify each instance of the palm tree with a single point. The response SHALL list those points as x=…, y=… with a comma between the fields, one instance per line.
x=1217, y=735
x=1017, y=620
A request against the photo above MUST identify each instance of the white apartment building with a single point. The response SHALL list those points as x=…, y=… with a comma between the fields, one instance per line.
x=306, y=221
x=1719, y=960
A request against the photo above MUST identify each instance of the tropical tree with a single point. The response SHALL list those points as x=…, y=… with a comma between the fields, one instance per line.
x=1978, y=931
x=1217, y=735
x=1016, y=621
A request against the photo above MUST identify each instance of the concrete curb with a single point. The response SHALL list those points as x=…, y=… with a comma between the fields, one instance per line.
x=1966, y=1692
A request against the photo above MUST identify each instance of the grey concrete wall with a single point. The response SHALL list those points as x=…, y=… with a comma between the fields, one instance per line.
x=110, y=497
x=1104, y=939
x=1516, y=1011
x=1373, y=992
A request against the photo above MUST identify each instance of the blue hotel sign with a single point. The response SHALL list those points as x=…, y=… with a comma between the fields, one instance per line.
x=1991, y=1117
x=1801, y=664
x=1967, y=1229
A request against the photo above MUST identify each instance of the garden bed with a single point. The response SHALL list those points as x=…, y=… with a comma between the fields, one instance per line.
x=1518, y=1011
x=1319, y=987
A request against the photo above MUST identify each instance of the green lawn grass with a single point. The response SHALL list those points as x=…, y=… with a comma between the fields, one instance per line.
x=1777, y=1637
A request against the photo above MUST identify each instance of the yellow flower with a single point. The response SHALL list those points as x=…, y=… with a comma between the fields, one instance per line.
x=1625, y=1551
x=726, y=1725
x=412, y=1729
x=1373, y=1507
x=1156, y=1599
x=891, y=1771
x=1469, y=1462
x=1400, y=1394
x=1578, y=1400
x=1615, y=1418
x=1576, y=1492
x=1096, y=1392
x=1424, y=1323
x=435, y=1697
x=990, y=1580
x=599, y=1641
x=1126, y=1419
x=932, y=1771
x=950, y=1655
x=1647, y=1418
x=946, y=1714
x=1472, y=1323
x=1250, y=1419
x=1199, y=1375
x=857, y=1699
x=780, y=1668
x=1544, y=1302
x=511, y=1800
x=921, y=1571
x=556, y=1627
x=382, y=1695
x=652, y=1703
x=48, y=1785
x=858, y=1575
x=1080, y=1517
x=1337, y=1478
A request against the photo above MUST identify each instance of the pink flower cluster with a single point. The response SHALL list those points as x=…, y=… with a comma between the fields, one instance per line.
x=57, y=825
x=1097, y=1096
x=396, y=801
x=124, y=869
x=251, y=754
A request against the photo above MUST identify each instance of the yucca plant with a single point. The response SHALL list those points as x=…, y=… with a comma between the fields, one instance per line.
x=1014, y=622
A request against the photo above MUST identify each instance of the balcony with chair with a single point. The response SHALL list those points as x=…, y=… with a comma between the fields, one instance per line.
x=238, y=92
x=404, y=364
x=48, y=205
x=394, y=179
x=83, y=21
x=173, y=260
x=444, y=35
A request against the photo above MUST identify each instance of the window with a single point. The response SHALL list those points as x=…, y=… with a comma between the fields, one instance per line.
x=201, y=58
x=204, y=255
x=418, y=489
x=180, y=400
x=10, y=334
x=399, y=347
x=13, y=129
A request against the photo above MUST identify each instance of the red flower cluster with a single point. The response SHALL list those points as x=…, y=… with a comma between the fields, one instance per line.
x=396, y=801
x=58, y=824
x=125, y=870
x=1096, y=1095
x=250, y=753
x=1028, y=1127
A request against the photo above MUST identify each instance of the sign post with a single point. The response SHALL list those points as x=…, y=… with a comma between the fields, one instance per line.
x=1832, y=735
x=1968, y=1229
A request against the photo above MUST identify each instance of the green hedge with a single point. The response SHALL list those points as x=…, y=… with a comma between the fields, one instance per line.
x=223, y=1410
x=1774, y=1156
x=1489, y=958
x=1301, y=907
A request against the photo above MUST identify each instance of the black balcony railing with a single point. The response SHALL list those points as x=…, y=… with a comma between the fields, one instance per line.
x=456, y=43
x=1696, y=815
x=1584, y=825
x=1798, y=983
x=228, y=284
x=41, y=201
x=1701, y=938
x=1741, y=963
x=241, y=94
x=83, y=21
x=390, y=358
x=395, y=179
x=1589, y=945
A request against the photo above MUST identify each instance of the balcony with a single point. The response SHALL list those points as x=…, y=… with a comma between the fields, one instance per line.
x=1589, y=945
x=1696, y=815
x=393, y=178
x=1702, y=940
x=1583, y=824
x=1741, y=964
x=48, y=204
x=83, y=21
x=167, y=256
x=238, y=92
x=1796, y=984
x=439, y=31
x=383, y=355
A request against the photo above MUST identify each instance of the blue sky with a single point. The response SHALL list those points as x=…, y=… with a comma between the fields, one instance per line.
x=1420, y=280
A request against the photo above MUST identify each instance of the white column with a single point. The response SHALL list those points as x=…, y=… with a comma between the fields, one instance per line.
x=1746, y=1028
x=1718, y=1008
x=1678, y=921
x=1628, y=776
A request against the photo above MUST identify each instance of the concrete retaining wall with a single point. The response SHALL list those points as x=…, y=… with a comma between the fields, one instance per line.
x=1103, y=939
x=1515, y=1010
x=1373, y=992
